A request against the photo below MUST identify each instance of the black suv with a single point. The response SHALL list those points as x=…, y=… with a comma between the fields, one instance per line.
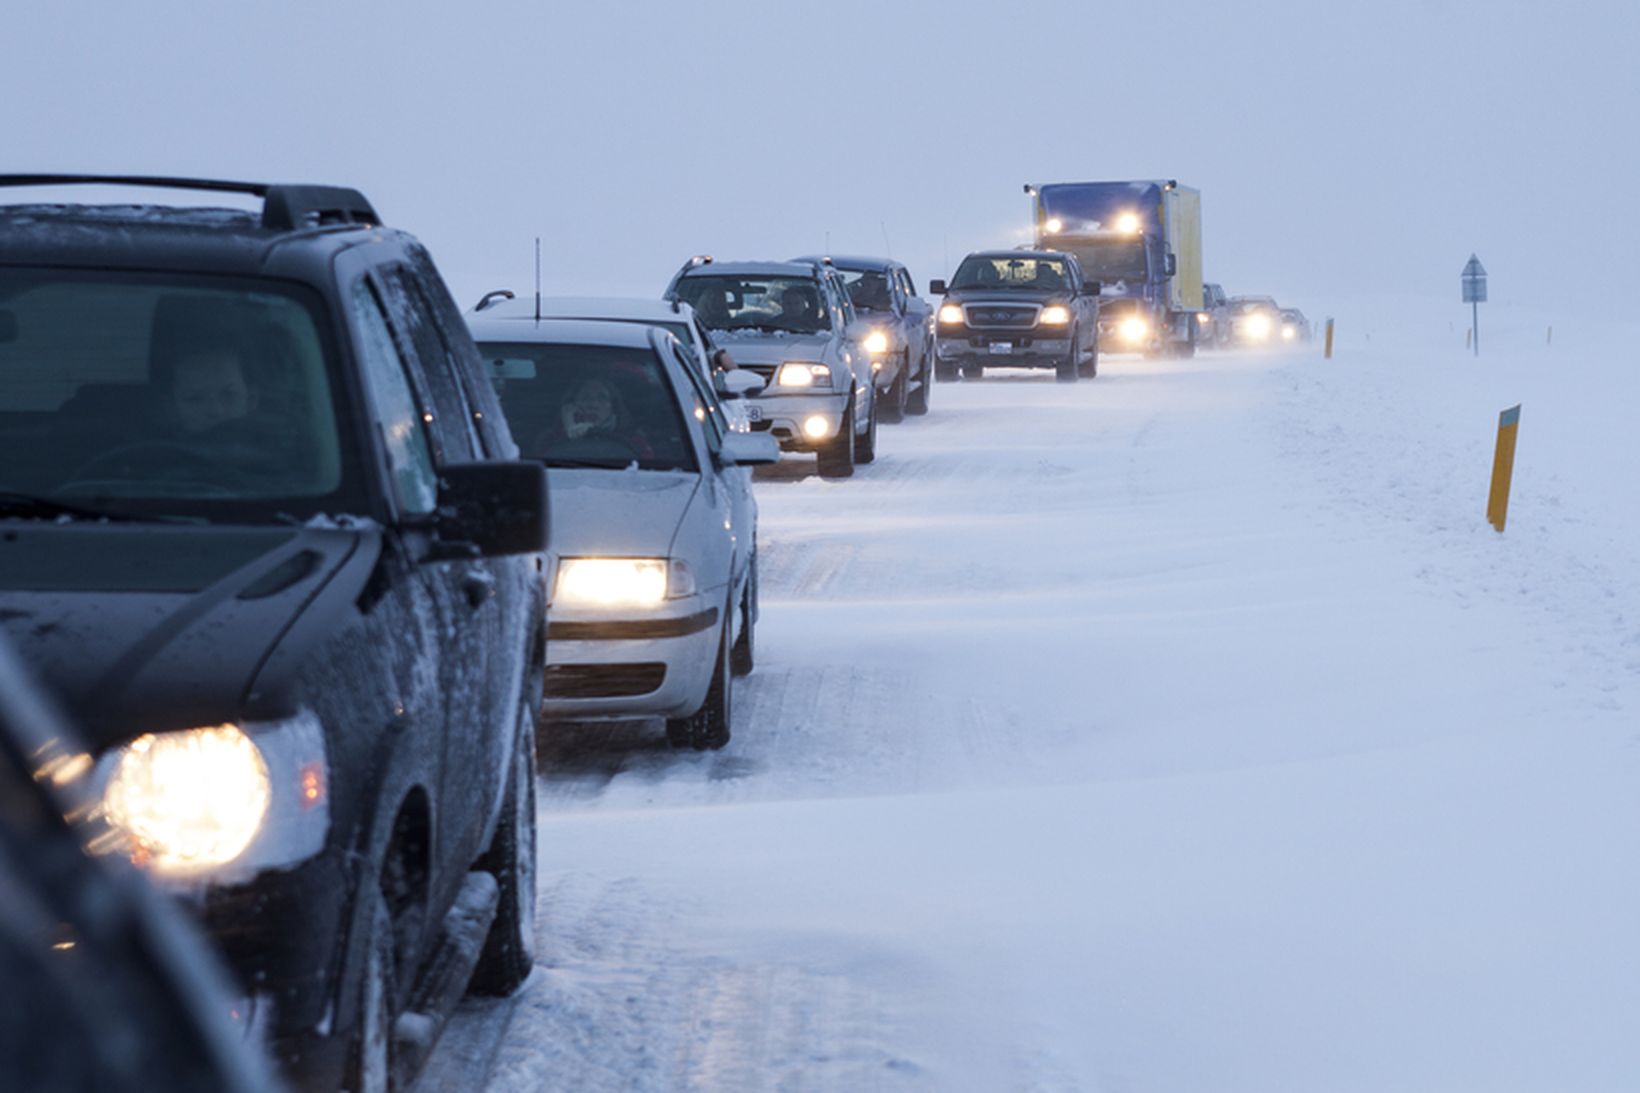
x=1018, y=309
x=263, y=530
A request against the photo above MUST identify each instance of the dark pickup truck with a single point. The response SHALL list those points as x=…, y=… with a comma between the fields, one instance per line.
x=1018, y=309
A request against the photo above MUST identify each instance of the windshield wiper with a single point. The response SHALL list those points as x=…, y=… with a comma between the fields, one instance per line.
x=31, y=506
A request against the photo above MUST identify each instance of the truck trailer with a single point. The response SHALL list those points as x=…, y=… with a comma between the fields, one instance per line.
x=1142, y=241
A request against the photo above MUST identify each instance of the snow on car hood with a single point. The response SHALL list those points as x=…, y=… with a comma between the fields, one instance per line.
x=138, y=628
x=758, y=347
x=628, y=513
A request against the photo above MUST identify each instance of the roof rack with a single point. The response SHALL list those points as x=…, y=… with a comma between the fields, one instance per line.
x=284, y=207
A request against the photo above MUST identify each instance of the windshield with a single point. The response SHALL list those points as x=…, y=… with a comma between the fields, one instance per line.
x=165, y=395
x=1011, y=272
x=1113, y=260
x=589, y=405
x=791, y=305
x=1244, y=307
x=868, y=289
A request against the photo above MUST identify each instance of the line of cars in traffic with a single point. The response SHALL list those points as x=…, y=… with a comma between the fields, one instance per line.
x=310, y=557
x=1251, y=322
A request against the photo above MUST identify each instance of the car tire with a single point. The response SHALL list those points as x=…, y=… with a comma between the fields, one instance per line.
x=865, y=443
x=916, y=403
x=509, y=949
x=972, y=372
x=743, y=657
x=898, y=392
x=372, y=1057
x=707, y=729
x=1066, y=370
x=836, y=456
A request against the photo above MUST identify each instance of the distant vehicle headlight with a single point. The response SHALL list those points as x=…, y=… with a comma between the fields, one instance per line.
x=876, y=342
x=1203, y=317
x=1259, y=326
x=1056, y=315
x=621, y=582
x=802, y=374
x=1134, y=329
x=1289, y=332
x=189, y=801
x=951, y=313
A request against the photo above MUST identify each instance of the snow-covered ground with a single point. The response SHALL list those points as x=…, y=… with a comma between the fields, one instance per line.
x=1189, y=729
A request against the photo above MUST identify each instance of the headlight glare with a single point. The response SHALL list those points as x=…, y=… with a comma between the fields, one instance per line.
x=1056, y=315
x=951, y=313
x=802, y=374
x=611, y=582
x=876, y=342
x=1259, y=326
x=189, y=801
x=1134, y=329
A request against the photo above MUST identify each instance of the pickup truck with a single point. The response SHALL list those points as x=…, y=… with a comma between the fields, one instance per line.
x=1018, y=309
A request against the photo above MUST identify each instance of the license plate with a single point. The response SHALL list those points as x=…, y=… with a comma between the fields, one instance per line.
x=1002, y=347
x=754, y=413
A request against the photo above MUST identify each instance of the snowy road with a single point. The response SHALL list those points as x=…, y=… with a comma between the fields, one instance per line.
x=1187, y=729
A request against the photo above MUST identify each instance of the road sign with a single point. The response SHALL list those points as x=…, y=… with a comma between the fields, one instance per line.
x=1474, y=294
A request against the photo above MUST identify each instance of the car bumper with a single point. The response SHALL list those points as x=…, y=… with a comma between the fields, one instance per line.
x=1021, y=349
x=788, y=418
x=601, y=666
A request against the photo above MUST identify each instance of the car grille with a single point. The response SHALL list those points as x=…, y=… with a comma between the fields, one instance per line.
x=603, y=680
x=985, y=316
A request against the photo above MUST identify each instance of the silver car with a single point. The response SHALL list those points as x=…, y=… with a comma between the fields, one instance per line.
x=793, y=325
x=902, y=344
x=652, y=593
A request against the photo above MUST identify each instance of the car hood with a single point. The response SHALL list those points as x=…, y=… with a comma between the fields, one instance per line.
x=629, y=513
x=1016, y=296
x=757, y=347
x=139, y=628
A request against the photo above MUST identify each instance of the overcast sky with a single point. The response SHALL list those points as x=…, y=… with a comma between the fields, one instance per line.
x=1340, y=148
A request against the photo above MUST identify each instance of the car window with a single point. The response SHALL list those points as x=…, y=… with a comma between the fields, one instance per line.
x=705, y=405
x=449, y=421
x=482, y=403
x=1010, y=272
x=792, y=305
x=398, y=419
x=167, y=394
x=590, y=405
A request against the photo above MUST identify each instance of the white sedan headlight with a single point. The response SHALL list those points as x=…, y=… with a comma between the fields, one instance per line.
x=1134, y=329
x=1056, y=315
x=802, y=374
x=622, y=582
x=189, y=801
x=876, y=342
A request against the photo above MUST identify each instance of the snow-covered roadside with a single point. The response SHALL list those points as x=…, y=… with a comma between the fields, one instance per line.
x=1184, y=730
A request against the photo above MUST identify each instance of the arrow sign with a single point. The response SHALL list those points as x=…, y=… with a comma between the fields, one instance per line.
x=1474, y=282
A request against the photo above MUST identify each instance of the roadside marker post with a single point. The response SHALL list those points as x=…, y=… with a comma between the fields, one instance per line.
x=1327, y=354
x=1474, y=294
x=1503, y=468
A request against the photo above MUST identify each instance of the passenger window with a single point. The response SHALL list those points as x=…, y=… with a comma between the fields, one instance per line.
x=483, y=405
x=451, y=424
x=706, y=408
x=409, y=455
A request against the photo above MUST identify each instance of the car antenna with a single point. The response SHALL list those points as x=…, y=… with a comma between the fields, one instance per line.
x=538, y=278
x=887, y=246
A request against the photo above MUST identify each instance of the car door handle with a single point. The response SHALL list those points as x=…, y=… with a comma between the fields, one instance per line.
x=478, y=587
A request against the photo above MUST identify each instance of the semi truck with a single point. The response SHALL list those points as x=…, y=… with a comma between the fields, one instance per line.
x=1142, y=241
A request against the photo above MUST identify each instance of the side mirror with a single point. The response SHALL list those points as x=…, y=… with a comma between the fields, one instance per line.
x=738, y=384
x=1092, y=288
x=747, y=449
x=936, y=288
x=494, y=508
x=1171, y=265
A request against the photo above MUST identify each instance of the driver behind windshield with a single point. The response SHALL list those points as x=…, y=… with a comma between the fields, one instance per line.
x=209, y=389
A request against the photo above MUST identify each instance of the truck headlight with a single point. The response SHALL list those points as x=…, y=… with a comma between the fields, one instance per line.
x=801, y=374
x=189, y=801
x=1053, y=224
x=951, y=313
x=622, y=582
x=1055, y=315
x=1134, y=330
x=1203, y=317
x=1127, y=223
x=876, y=342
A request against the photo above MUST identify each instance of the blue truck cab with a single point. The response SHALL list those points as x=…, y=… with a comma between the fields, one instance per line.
x=1142, y=241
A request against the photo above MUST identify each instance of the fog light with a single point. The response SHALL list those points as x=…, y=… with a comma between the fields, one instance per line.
x=816, y=427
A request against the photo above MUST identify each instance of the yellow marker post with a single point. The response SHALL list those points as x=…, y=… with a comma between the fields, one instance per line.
x=1503, y=468
x=1327, y=354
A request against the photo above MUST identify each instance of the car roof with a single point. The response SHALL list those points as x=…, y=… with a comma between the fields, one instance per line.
x=752, y=269
x=1019, y=253
x=623, y=308
x=627, y=335
x=197, y=237
x=849, y=261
